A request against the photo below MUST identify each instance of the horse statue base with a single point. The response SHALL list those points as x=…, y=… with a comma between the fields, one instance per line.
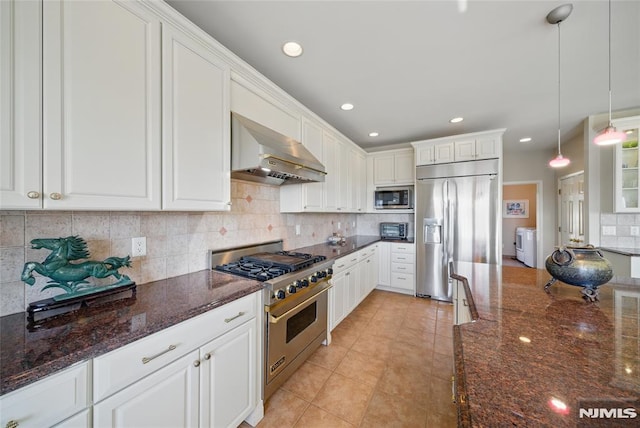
x=63, y=304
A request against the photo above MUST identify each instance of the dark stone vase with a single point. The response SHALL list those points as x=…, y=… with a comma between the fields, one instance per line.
x=581, y=266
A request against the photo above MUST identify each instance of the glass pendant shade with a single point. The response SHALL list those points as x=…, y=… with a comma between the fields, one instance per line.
x=559, y=161
x=609, y=135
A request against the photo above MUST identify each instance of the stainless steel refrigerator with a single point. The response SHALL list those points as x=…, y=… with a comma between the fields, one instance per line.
x=457, y=219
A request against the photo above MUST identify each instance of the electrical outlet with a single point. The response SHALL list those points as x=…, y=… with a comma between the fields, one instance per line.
x=338, y=225
x=608, y=230
x=297, y=229
x=138, y=246
x=634, y=230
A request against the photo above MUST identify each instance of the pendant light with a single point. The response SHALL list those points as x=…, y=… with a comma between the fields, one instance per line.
x=555, y=17
x=609, y=135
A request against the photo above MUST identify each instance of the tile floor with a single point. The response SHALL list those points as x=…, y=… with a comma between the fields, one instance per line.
x=390, y=364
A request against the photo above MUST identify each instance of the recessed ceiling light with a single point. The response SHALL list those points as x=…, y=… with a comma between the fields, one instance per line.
x=525, y=139
x=346, y=106
x=292, y=49
x=456, y=120
x=373, y=134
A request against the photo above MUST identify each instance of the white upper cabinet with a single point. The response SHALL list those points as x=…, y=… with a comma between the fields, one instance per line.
x=195, y=125
x=101, y=96
x=20, y=104
x=332, y=165
x=627, y=170
x=256, y=104
x=393, y=167
x=459, y=148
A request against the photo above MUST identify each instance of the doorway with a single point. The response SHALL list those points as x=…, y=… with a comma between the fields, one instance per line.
x=517, y=226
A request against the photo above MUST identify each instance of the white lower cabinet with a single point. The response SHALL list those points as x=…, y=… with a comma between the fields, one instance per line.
x=203, y=372
x=168, y=397
x=354, y=277
x=50, y=401
x=397, y=267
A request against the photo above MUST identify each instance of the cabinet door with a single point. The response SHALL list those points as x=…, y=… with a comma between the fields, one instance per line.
x=20, y=104
x=487, y=148
x=313, y=193
x=229, y=375
x=353, y=287
x=345, y=176
x=332, y=179
x=168, y=397
x=465, y=150
x=337, y=300
x=627, y=172
x=195, y=125
x=101, y=85
x=384, y=263
x=443, y=152
x=425, y=155
x=361, y=182
x=383, y=169
x=404, y=168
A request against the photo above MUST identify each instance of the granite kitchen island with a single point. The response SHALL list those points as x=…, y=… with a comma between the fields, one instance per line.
x=535, y=359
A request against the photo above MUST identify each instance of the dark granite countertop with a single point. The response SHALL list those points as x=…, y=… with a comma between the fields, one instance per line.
x=623, y=250
x=27, y=355
x=529, y=352
x=352, y=244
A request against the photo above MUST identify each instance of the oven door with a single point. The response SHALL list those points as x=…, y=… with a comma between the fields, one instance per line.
x=289, y=332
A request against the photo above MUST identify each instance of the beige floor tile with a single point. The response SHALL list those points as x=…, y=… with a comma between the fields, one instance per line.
x=389, y=411
x=442, y=365
x=328, y=356
x=443, y=345
x=344, y=335
x=413, y=357
x=438, y=419
x=361, y=367
x=405, y=383
x=282, y=410
x=307, y=381
x=374, y=346
x=416, y=337
x=344, y=398
x=315, y=417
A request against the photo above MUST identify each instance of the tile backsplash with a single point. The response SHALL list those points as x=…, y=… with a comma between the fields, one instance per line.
x=177, y=242
x=620, y=230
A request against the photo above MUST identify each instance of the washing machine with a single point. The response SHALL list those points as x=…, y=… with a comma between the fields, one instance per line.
x=526, y=247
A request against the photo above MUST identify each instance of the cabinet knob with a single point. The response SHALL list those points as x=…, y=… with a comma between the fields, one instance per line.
x=196, y=363
x=207, y=356
x=11, y=424
x=229, y=203
x=55, y=196
x=33, y=195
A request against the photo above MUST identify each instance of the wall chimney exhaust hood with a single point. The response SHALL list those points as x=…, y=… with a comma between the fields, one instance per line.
x=262, y=155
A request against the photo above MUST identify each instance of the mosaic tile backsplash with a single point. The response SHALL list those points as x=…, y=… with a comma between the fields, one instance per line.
x=177, y=242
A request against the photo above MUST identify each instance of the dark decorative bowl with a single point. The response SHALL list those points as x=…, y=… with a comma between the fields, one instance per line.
x=581, y=266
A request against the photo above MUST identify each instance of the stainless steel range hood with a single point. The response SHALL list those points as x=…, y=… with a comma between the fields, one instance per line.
x=265, y=156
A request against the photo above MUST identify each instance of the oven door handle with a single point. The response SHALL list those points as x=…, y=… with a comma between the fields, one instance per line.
x=274, y=320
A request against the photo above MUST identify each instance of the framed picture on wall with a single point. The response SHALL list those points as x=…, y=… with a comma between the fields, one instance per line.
x=516, y=208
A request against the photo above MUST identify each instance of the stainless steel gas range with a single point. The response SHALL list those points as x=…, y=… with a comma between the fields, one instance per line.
x=295, y=300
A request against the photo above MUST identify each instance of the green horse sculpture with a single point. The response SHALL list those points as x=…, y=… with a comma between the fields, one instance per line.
x=71, y=276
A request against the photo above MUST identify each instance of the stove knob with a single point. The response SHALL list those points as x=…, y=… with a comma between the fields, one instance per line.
x=314, y=278
x=292, y=288
x=297, y=284
x=330, y=271
x=305, y=282
x=321, y=274
x=280, y=294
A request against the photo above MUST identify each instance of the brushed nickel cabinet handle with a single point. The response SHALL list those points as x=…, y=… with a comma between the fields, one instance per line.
x=145, y=360
x=30, y=195
x=11, y=424
x=207, y=356
x=228, y=320
x=196, y=363
x=55, y=196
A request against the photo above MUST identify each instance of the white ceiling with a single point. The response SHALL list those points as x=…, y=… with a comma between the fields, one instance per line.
x=410, y=66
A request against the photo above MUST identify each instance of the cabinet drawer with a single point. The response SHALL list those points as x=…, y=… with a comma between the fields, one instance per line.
x=346, y=262
x=119, y=368
x=403, y=248
x=402, y=280
x=403, y=267
x=402, y=258
x=48, y=401
x=366, y=252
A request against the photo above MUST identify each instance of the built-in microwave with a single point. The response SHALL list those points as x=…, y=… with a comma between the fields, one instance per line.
x=393, y=198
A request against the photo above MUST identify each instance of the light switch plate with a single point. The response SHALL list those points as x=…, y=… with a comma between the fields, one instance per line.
x=608, y=230
x=634, y=230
